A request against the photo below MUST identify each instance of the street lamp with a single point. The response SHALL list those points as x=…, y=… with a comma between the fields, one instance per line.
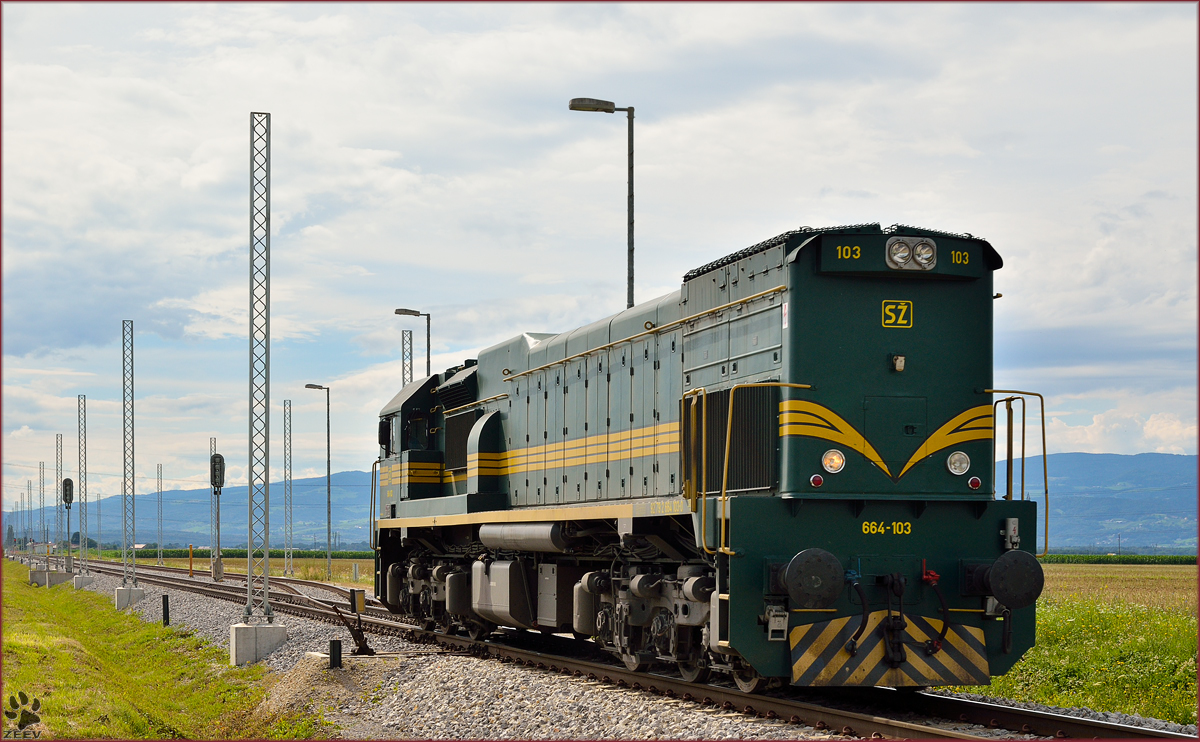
x=328, y=489
x=415, y=313
x=604, y=106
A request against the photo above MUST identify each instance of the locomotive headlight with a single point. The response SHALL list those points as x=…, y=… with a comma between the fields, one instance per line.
x=833, y=461
x=900, y=252
x=958, y=463
x=923, y=252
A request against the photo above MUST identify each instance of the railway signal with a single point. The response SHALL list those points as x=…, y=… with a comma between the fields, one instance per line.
x=68, y=496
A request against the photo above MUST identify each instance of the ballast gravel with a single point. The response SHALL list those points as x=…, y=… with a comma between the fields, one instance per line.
x=211, y=618
x=454, y=697
x=418, y=694
x=1113, y=717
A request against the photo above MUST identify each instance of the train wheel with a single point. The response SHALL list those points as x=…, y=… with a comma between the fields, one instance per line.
x=693, y=672
x=748, y=680
x=477, y=630
x=633, y=662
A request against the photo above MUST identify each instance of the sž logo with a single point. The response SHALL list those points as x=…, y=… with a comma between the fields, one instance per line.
x=897, y=313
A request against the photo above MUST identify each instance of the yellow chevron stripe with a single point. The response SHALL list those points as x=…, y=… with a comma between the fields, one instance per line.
x=975, y=424
x=809, y=419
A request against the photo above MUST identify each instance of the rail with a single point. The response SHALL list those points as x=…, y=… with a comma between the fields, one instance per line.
x=1045, y=470
x=771, y=705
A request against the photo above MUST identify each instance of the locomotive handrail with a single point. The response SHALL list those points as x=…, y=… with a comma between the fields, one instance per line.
x=1008, y=495
x=724, y=546
x=651, y=331
x=1045, y=469
x=476, y=402
x=689, y=483
x=374, y=468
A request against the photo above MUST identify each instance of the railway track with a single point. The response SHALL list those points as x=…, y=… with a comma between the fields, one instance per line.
x=813, y=709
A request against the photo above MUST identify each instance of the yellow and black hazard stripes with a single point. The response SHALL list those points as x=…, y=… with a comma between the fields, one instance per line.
x=820, y=657
x=653, y=440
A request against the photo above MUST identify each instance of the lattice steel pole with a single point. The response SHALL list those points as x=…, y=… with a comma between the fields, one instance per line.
x=128, y=533
x=42, y=501
x=81, y=494
x=28, y=511
x=406, y=353
x=259, y=496
x=58, y=510
x=288, y=568
x=160, y=561
x=214, y=519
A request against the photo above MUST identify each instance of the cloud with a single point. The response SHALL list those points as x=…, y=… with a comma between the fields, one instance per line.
x=423, y=156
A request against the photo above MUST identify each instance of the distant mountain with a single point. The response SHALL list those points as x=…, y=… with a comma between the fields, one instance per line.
x=1149, y=499
x=186, y=513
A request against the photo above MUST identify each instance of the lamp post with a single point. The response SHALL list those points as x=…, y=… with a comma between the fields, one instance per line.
x=328, y=489
x=415, y=313
x=604, y=106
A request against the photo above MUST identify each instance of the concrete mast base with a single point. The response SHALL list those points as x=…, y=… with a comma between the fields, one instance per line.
x=127, y=596
x=253, y=642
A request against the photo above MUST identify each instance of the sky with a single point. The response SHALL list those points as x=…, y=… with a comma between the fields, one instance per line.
x=423, y=156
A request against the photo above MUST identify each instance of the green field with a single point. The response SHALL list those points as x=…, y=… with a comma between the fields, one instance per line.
x=1112, y=637
x=101, y=674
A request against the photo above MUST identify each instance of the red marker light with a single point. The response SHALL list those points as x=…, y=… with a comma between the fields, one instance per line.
x=974, y=483
x=816, y=480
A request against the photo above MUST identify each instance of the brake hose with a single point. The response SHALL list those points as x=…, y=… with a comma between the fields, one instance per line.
x=933, y=646
x=852, y=645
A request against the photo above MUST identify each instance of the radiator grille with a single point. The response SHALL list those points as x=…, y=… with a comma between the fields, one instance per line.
x=458, y=390
x=753, y=443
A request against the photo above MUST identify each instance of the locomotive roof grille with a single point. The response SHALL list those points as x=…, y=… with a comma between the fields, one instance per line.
x=783, y=238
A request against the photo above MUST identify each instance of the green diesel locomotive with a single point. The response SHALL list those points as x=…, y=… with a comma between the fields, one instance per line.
x=782, y=472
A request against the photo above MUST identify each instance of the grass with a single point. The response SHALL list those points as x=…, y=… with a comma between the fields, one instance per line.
x=103, y=674
x=1113, y=638
x=1168, y=587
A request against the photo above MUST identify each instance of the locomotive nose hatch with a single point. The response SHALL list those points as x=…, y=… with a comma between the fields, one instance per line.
x=895, y=647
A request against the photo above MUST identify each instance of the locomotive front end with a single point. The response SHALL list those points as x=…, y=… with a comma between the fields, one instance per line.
x=884, y=557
